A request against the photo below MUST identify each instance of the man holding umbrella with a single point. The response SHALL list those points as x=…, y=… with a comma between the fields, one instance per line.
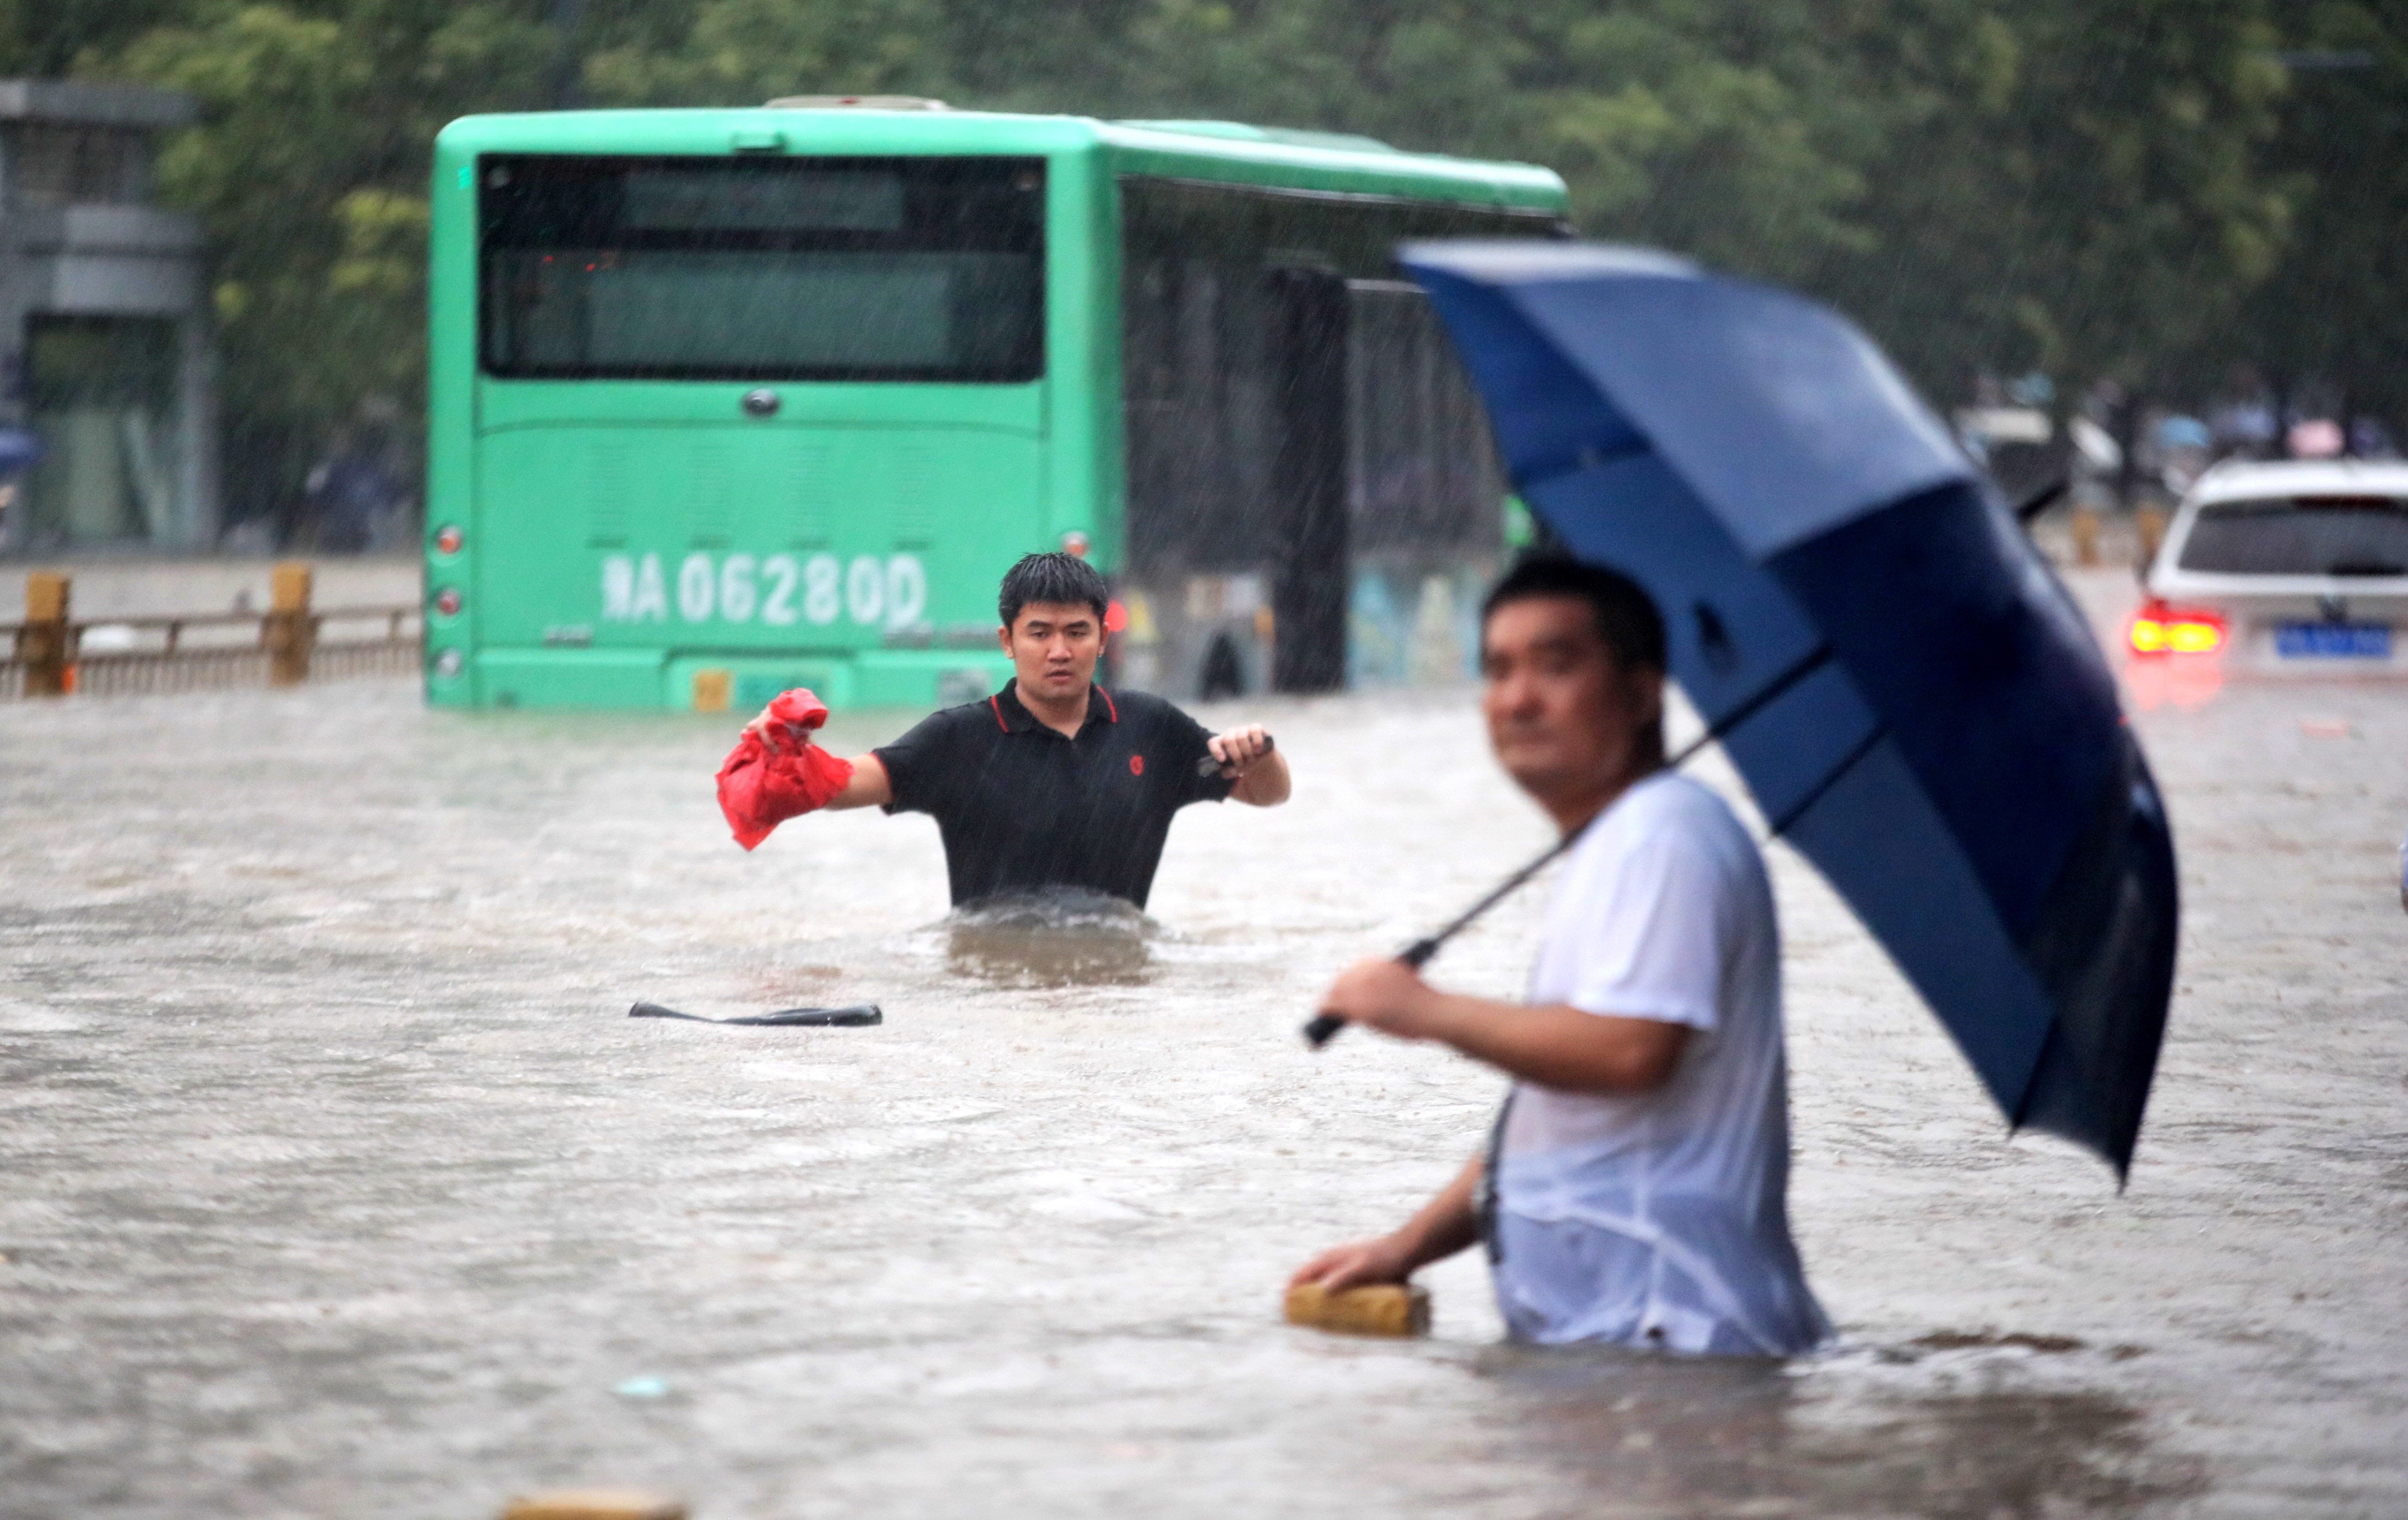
x=1638, y=1185
x=1915, y=704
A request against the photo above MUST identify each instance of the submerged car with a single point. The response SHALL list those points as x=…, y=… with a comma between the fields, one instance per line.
x=2292, y=567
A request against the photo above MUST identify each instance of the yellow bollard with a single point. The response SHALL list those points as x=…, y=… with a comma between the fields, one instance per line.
x=2084, y=523
x=42, y=643
x=596, y=1504
x=288, y=632
x=1375, y=1308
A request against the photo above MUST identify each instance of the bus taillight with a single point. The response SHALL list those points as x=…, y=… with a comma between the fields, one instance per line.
x=447, y=601
x=447, y=538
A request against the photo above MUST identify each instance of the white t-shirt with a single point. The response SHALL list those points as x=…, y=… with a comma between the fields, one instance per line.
x=1661, y=1217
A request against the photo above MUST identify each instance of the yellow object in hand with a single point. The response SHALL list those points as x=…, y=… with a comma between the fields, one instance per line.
x=1374, y=1309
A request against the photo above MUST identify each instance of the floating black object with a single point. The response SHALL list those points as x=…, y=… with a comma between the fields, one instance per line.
x=850, y=1017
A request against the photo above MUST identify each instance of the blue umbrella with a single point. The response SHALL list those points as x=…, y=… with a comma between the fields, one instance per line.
x=1915, y=702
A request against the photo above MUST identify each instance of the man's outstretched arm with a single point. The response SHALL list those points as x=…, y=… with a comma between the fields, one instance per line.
x=1554, y=1045
x=870, y=787
x=1261, y=771
x=1445, y=1225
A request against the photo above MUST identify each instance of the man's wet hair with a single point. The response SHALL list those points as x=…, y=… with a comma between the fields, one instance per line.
x=1625, y=615
x=1064, y=580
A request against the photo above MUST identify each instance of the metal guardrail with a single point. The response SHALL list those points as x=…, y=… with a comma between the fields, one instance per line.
x=50, y=653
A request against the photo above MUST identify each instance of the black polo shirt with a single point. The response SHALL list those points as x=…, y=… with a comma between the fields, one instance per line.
x=1020, y=806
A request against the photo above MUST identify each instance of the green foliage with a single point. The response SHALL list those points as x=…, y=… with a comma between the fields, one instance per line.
x=2330, y=313
x=2134, y=190
x=45, y=37
x=750, y=51
x=2074, y=189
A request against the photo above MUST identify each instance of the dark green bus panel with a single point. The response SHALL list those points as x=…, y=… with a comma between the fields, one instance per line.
x=723, y=402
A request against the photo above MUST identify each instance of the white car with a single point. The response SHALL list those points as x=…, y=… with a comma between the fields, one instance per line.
x=2292, y=567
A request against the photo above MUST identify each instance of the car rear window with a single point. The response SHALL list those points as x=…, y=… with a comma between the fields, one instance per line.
x=2300, y=535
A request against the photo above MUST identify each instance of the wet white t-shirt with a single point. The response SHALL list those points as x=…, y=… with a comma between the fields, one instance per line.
x=1660, y=1218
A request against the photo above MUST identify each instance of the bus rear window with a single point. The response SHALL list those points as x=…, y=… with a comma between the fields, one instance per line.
x=816, y=268
x=2300, y=535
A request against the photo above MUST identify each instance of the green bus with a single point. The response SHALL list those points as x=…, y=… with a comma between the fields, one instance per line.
x=726, y=401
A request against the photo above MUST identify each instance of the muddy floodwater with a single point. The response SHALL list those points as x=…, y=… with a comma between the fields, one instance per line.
x=335, y=1181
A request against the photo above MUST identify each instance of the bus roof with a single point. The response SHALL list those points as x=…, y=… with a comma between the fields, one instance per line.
x=1225, y=152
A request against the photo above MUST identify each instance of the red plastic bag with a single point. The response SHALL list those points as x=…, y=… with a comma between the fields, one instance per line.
x=761, y=786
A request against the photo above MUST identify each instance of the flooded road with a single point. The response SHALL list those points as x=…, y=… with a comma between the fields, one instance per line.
x=335, y=1180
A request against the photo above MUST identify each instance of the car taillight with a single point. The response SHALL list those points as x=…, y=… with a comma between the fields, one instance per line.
x=447, y=538
x=447, y=601
x=2158, y=630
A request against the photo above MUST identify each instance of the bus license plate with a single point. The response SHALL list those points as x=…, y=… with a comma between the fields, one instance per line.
x=2333, y=641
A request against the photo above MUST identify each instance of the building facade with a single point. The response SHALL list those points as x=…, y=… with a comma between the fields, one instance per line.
x=107, y=391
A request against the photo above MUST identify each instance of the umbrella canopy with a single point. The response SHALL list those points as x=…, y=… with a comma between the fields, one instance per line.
x=1912, y=697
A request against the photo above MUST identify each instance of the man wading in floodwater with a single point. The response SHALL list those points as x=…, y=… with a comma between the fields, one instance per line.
x=1642, y=1172
x=1053, y=781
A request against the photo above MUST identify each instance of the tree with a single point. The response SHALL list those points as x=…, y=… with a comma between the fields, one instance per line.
x=47, y=38
x=2068, y=187
x=2331, y=315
